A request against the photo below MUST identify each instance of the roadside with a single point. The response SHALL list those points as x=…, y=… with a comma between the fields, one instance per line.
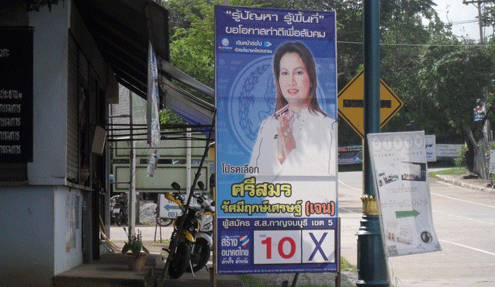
x=466, y=180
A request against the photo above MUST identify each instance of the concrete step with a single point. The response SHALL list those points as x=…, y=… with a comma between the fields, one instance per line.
x=111, y=270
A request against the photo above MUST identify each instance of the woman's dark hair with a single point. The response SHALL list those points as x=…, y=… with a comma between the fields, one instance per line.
x=307, y=58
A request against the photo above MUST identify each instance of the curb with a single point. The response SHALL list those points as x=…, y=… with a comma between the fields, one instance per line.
x=464, y=184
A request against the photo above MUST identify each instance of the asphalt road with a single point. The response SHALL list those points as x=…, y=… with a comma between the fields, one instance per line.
x=464, y=221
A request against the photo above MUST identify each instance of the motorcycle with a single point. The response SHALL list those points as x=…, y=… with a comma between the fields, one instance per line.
x=191, y=238
x=118, y=209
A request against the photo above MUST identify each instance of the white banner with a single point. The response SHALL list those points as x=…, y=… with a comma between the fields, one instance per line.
x=403, y=192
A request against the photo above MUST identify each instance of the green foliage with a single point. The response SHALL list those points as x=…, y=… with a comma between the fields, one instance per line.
x=168, y=117
x=192, y=41
x=461, y=160
x=448, y=171
x=455, y=77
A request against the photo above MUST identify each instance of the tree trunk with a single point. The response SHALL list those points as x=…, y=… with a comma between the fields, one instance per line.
x=476, y=160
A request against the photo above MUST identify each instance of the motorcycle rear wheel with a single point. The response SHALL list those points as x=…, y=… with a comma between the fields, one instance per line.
x=120, y=218
x=200, y=255
x=180, y=260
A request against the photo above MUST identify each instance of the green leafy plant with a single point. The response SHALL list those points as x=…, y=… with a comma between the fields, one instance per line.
x=135, y=245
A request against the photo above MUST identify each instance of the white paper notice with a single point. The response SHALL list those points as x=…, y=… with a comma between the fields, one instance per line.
x=403, y=192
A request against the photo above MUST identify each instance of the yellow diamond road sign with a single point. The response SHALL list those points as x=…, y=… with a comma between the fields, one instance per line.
x=351, y=103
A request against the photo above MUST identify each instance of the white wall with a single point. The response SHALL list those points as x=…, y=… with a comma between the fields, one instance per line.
x=35, y=220
x=50, y=56
x=26, y=236
x=67, y=234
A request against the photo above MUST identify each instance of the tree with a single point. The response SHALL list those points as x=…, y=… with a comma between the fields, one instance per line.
x=455, y=76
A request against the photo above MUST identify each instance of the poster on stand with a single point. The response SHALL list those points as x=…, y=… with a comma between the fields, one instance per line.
x=276, y=140
x=401, y=179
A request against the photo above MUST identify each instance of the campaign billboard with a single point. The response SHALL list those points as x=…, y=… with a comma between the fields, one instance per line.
x=276, y=140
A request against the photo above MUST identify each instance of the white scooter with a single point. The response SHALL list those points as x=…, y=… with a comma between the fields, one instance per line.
x=200, y=253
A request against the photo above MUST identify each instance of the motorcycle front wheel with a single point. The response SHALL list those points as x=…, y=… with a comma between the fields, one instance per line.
x=164, y=222
x=180, y=260
x=200, y=255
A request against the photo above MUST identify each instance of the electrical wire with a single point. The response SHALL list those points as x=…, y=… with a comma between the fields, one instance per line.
x=419, y=45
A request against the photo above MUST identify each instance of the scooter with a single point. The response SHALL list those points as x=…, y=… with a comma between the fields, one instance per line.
x=200, y=253
x=189, y=248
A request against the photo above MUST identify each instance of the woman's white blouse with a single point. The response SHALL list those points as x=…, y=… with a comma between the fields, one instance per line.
x=316, y=147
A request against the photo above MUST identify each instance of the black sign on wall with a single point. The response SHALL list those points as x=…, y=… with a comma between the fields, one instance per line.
x=16, y=94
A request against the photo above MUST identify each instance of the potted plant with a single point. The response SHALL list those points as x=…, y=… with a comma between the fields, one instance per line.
x=136, y=252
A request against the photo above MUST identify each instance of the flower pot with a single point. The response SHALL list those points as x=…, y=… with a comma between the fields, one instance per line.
x=137, y=261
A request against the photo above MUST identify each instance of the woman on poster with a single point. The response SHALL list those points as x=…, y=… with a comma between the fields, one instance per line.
x=299, y=138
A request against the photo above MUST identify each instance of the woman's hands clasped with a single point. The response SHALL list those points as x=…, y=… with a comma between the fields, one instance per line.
x=285, y=139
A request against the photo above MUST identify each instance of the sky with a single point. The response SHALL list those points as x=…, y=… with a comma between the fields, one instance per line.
x=458, y=14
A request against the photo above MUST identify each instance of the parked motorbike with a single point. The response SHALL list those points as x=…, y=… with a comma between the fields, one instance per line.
x=190, y=243
x=118, y=209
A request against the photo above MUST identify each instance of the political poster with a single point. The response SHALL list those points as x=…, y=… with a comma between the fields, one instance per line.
x=276, y=140
x=401, y=179
x=153, y=101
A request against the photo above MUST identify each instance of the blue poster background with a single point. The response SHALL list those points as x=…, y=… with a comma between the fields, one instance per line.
x=246, y=40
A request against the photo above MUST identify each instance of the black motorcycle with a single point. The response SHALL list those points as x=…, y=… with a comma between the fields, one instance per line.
x=118, y=209
x=184, y=235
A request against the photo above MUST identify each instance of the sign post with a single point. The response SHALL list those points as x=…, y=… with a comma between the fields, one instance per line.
x=372, y=264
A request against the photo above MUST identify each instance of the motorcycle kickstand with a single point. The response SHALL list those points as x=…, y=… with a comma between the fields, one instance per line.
x=192, y=271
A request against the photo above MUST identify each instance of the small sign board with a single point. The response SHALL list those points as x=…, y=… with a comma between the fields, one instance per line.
x=169, y=209
x=431, y=148
x=404, y=202
x=491, y=164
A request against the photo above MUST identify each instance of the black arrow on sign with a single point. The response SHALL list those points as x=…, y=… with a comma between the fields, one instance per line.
x=360, y=104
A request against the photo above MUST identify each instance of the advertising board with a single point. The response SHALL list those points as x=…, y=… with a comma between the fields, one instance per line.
x=404, y=202
x=276, y=140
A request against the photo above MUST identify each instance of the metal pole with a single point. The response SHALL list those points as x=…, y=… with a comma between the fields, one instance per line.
x=372, y=265
x=188, y=162
x=131, y=200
